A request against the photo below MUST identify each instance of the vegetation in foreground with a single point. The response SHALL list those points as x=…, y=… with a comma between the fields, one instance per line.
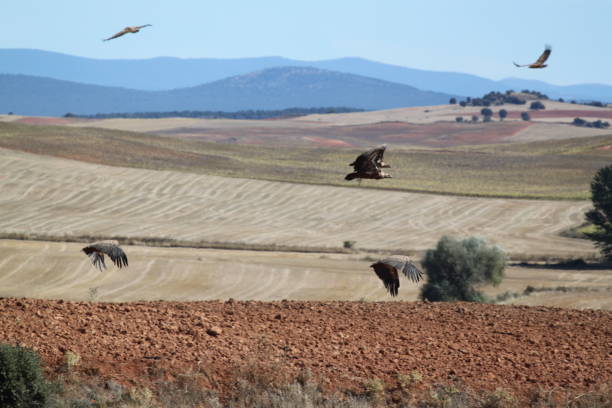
x=553, y=169
x=253, y=384
x=601, y=215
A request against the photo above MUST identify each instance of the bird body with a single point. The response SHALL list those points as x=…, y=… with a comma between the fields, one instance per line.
x=387, y=269
x=131, y=29
x=96, y=253
x=540, y=63
x=369, y=165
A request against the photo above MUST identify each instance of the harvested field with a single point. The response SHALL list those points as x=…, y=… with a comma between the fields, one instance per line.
x=58, y=197
x=548, y=169
x=346, y=343
x=59, y=270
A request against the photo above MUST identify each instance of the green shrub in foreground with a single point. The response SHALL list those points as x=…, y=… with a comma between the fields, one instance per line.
x=22, y=384
x=455, y=268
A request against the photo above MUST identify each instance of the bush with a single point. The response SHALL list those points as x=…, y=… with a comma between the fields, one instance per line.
x=525, y=116
x=486, y=112
x=536, y=105
x=459, y=119
x=474, y=118
x=502, y=114
x=456, y=267
x=601, y=214
x=452, y=101
x=22, y=383
x=463, y=103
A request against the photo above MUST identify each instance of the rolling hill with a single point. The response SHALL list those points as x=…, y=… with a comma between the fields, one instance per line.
x=273, y=88
x=165, y=73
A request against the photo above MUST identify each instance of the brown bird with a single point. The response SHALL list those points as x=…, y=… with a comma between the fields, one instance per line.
x=96, y=252
x=387, y=270
x=540, y=63
x=368, y=165
x=133, y=29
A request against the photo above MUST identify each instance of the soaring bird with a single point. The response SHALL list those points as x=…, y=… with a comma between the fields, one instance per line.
x=540, y=63
x=387, y=270
x=96, y=253
x=133, y=29
x=368, y=165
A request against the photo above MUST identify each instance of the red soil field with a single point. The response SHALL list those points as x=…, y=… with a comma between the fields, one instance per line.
x=541, y=114
x=344, y=344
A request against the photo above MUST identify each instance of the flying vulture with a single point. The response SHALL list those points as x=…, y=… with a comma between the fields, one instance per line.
x=388, y=269
x=133, y=29
x=368, y=165
x=540, y=63
x=96, y=253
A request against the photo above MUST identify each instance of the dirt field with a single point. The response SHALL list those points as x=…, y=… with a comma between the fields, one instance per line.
x=346, y=343
x=54, y=196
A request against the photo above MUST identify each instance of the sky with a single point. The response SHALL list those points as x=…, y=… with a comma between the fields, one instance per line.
x=480, y=37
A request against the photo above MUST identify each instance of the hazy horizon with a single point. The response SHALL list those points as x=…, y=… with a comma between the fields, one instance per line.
x=480, y=38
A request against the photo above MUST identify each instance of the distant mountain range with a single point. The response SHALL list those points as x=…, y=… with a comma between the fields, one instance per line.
x=165, y=73
x=272, y=88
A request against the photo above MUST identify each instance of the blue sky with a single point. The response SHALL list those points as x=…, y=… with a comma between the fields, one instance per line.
x=480, y=37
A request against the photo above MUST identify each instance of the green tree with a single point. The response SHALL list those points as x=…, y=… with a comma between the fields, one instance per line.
x=452, y=101
x=601, y=214
x=525, y=116
x=502, y=114
x=455, y=268
x=22, y=384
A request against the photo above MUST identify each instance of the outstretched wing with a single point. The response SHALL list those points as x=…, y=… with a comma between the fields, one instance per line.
x=97, y=251
x=517, y=65
x=119, y=34
x=388, y=274
x=544, y=56
x=369, y=161
x=143, y=26
x=405, y=265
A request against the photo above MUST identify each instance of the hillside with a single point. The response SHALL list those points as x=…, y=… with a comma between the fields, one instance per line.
x=274, y=88
x=165, y=73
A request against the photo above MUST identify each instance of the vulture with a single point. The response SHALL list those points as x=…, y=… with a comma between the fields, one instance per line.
x=368, y=165
x=540, y=63
x=133, y=29
x=388, y=269
x=96, y=252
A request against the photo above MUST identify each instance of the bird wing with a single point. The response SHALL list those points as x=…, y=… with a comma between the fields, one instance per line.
x=119, y=34
x=114, y=252
x=377, y=154
x=143, y=26
x=387, y=274
x=405, y=265
x=544, y=56
x=517, y=65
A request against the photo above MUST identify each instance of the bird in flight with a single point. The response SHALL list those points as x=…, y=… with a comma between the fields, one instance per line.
x=388, y=269
x=369, y=165
x=96, y=253
x=540, y=63
x=133, y=29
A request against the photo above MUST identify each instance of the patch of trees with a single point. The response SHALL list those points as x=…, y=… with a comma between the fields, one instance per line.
x=537, y=105
x=494, y=99
x=537, y=94
x=244, y=114
x=455, y=268
x=601, y=213
x=599, y=124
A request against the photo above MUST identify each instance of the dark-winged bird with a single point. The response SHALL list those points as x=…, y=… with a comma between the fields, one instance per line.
x=540, y=63
x=369, y=165
x=96, y=253
x=132, y=29
x=388, y=269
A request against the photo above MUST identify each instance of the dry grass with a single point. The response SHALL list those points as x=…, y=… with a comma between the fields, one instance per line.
x=551, y=169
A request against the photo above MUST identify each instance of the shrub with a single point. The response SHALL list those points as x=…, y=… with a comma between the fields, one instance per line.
x=22, y=384
x=502, y=114
x=525, y=116
x=536, y=105
x=474, y=118
x=349, y=244
x=454, y=268
x=463, y=103
x=579, y=122
x=452, y=101
x=486, y=112
x=601, y=214
x=459, y=119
